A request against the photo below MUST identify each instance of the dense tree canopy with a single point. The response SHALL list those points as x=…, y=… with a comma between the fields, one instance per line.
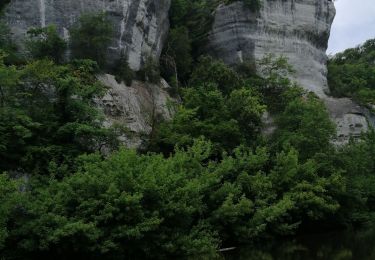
x=352, y=73
x=210, y=177
x=90, y=37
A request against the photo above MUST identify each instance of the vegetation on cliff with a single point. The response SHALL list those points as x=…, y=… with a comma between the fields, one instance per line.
x=210, y=178
x=352, y=73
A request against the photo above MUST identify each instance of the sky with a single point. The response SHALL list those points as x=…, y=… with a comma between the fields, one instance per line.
x=354, y=24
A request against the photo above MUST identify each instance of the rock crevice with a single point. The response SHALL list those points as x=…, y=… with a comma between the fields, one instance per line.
x=140, y=26
x=296, y=29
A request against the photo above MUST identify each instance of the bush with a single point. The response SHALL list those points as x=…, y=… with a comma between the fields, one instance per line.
x=137, y=206
x=8, y=46
x=46, y=43
x=351, y=73
x=253, y=5
x=123, y=72
x=150, y=71
x=176, y=57
x=90, y=37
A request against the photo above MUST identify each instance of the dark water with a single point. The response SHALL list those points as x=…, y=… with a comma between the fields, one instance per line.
x=350, y=244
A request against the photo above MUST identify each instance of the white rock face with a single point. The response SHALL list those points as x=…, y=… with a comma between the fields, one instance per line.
x=350, y=118
x=140, y=25
x=296, y=29
x=137, y=107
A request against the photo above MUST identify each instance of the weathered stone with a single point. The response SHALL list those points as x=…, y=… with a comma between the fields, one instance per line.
x=296, y=29
x=350, y=118
x=140, y=25
x=137, y=107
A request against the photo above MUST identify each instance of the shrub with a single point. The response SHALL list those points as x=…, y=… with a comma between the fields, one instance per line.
x=123, y=72
x=46, y=42
x=90, y=37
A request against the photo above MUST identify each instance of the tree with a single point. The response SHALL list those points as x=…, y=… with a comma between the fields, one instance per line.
x=253, y=5
x=150, y=71
x=48, y=116
x=123, y=72
x=306, y=126
x=351, y=73
x=211, y=71
x=274, y=80
x=90, y=37
x=8, y=46
x=176, y=57
x=46, y=43
x=10, y=200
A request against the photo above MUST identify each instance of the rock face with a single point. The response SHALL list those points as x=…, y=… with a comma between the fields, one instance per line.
x=140, y=25
x=350, y=118
x=137, y=107
x=298, y=30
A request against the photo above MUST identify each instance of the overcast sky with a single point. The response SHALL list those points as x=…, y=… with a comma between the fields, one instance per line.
x=353, y=25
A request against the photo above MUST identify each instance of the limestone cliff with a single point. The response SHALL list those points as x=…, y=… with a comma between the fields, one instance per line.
x=137, y=108
x=140, y=25
x=298, y=30
x=140, y=29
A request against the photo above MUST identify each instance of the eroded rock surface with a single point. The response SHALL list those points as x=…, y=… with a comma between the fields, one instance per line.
x=296, y=29
x=137, y=107
x=140, y=25
x=350, y=118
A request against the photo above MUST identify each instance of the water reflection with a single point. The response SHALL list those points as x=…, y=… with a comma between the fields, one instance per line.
x=348, y=245
x=357, y=245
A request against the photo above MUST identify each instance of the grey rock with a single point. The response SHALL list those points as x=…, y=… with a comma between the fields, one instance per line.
x=350, y=118
x=140, y=25
x=296, y=29
x=137, y=107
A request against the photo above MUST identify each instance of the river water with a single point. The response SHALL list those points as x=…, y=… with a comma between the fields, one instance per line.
x=350, y=244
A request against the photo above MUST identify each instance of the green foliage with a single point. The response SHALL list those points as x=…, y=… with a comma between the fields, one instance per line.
x=7, y=46
x=3, y=4
x=127, y=205
x=218, y=106
x=216, y=181
x=48, y=115
x=176, y=58
x=352, y=73
x=10, y=198
x=306, y=126
x=253, y=5
x=274, y=80
x=123, y=72
x=150, y=71
x=133, y=205
x=90, y=37
x=211, y=71
x=196, y=16
x=357, y=161
x=46, y=43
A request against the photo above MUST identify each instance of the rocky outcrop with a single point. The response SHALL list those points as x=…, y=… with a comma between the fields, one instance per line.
x=140, y=25
x=137, y=108
x=350, y=118
x=296, y=29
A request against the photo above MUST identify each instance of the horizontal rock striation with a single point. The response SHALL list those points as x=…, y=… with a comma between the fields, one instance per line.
x=296, y=29
x=140, y=25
